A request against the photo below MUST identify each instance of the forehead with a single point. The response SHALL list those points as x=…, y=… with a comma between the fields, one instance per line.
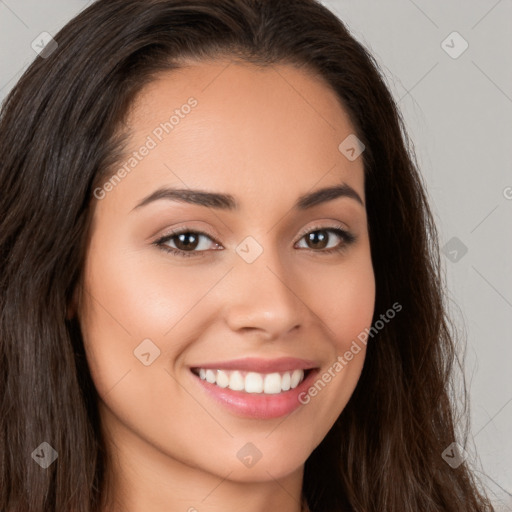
x=234, y=93
x=274, y=128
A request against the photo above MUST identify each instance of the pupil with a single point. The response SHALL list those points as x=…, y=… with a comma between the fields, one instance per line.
x=183, y=236
x=318, y=236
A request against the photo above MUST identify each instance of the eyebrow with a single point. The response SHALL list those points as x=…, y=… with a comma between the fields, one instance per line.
x=228, y=202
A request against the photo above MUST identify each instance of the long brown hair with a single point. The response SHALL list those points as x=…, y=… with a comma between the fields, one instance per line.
x=60, y=135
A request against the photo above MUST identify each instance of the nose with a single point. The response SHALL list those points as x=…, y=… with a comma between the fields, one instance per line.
x=264, y=298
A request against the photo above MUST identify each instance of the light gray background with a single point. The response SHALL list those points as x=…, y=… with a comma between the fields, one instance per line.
x=458, y=114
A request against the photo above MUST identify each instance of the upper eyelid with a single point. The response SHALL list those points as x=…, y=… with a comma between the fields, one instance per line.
x=180, y=231
x=319, y=227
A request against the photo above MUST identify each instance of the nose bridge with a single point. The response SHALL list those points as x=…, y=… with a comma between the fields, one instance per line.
x=263, y=298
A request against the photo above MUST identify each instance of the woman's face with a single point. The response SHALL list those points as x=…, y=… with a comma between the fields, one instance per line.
x=252, y=290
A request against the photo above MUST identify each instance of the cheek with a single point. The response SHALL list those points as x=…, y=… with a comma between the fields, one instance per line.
x=343, y=297
x=131, y=296
x=343, y=300
x=352, y=311
x=133, y=293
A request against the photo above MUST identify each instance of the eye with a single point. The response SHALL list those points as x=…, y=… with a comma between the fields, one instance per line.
x=189, y=243
x=319, y=239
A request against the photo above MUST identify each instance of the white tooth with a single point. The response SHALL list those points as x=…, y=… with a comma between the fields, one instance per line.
x=222, y=379
x=272, y=384
x=297, y=376
x=253, y=383
x=286, y=381
x=236, y=381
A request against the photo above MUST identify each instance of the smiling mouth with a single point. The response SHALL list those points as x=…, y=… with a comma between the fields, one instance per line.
x=253, y=382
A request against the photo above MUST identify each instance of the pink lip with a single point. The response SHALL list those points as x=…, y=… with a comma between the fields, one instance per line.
x=258, y=405
x=252, y=364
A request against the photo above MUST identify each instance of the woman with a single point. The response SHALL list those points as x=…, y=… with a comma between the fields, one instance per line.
x=221, y=282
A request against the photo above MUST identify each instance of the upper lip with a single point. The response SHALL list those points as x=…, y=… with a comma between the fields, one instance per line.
x=252, y=364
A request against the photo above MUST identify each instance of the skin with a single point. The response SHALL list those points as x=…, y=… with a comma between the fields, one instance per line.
x=266, y=136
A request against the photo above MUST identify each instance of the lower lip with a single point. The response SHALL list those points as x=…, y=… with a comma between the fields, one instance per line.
x=258, y=405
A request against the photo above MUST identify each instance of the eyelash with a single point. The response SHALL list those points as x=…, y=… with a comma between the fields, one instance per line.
x=348, y=239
